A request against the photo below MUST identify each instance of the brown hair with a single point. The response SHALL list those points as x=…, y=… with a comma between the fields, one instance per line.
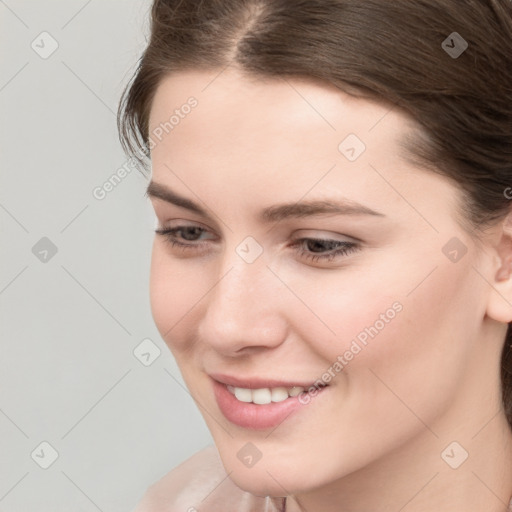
x=403, y=52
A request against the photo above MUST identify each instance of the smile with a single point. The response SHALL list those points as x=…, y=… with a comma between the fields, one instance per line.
x=264, y=396
x=266, y=403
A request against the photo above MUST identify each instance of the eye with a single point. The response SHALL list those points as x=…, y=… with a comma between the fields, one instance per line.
x=313, y=249
x=335, y=248
x=189, y=233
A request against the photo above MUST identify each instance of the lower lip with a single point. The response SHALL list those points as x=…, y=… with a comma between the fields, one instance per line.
x=255, y=416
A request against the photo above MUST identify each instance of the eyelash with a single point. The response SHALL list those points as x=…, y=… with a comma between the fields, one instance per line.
x=346, y=247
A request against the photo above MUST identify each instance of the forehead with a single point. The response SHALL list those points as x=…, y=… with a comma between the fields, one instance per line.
x=275, y=103
x=269, y=140
x=269, y=123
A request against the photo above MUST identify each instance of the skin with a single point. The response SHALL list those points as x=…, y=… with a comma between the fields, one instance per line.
x=374, y=440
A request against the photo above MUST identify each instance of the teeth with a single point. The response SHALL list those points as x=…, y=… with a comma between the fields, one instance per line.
x=244, y=395
x=264, y=396
x=261, y=396
x=279, y=394
x=297, y=390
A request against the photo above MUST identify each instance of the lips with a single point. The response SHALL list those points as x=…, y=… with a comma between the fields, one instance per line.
x=235, y=395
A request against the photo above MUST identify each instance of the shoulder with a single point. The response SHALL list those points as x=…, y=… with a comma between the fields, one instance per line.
x=199, y=484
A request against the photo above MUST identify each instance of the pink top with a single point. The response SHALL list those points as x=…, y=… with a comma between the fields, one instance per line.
x=200, y=484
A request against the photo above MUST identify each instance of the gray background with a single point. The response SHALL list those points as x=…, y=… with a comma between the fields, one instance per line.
x=71, y=321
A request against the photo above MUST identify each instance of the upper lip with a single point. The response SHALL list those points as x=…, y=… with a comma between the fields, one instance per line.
x=258, y=382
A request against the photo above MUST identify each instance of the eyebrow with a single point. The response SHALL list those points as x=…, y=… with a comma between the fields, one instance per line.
x=273, y=213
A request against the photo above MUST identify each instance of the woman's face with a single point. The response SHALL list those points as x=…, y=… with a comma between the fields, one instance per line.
x=391, y=324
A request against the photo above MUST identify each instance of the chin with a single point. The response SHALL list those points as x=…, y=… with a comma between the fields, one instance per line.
x=261, y=485
x=271, y=479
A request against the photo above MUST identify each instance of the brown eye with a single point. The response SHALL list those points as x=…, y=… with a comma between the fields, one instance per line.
x=334, y=248
x=188, y=235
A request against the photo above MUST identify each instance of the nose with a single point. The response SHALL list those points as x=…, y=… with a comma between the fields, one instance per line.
x=243, y=311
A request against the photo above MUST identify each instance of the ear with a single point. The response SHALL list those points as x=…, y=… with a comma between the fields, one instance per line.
x=499, y=305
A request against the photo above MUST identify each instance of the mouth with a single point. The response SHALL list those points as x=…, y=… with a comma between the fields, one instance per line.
x=262, y=403
x=263, y=396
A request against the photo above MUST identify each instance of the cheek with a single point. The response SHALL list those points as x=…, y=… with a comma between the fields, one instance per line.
x=388, y=315
x=172, y=296
x=421, y=354
x=405, y=322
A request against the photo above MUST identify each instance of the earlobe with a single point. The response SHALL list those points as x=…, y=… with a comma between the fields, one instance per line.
x=500, y=298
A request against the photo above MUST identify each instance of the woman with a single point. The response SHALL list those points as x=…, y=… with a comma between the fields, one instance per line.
x=331, y=267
